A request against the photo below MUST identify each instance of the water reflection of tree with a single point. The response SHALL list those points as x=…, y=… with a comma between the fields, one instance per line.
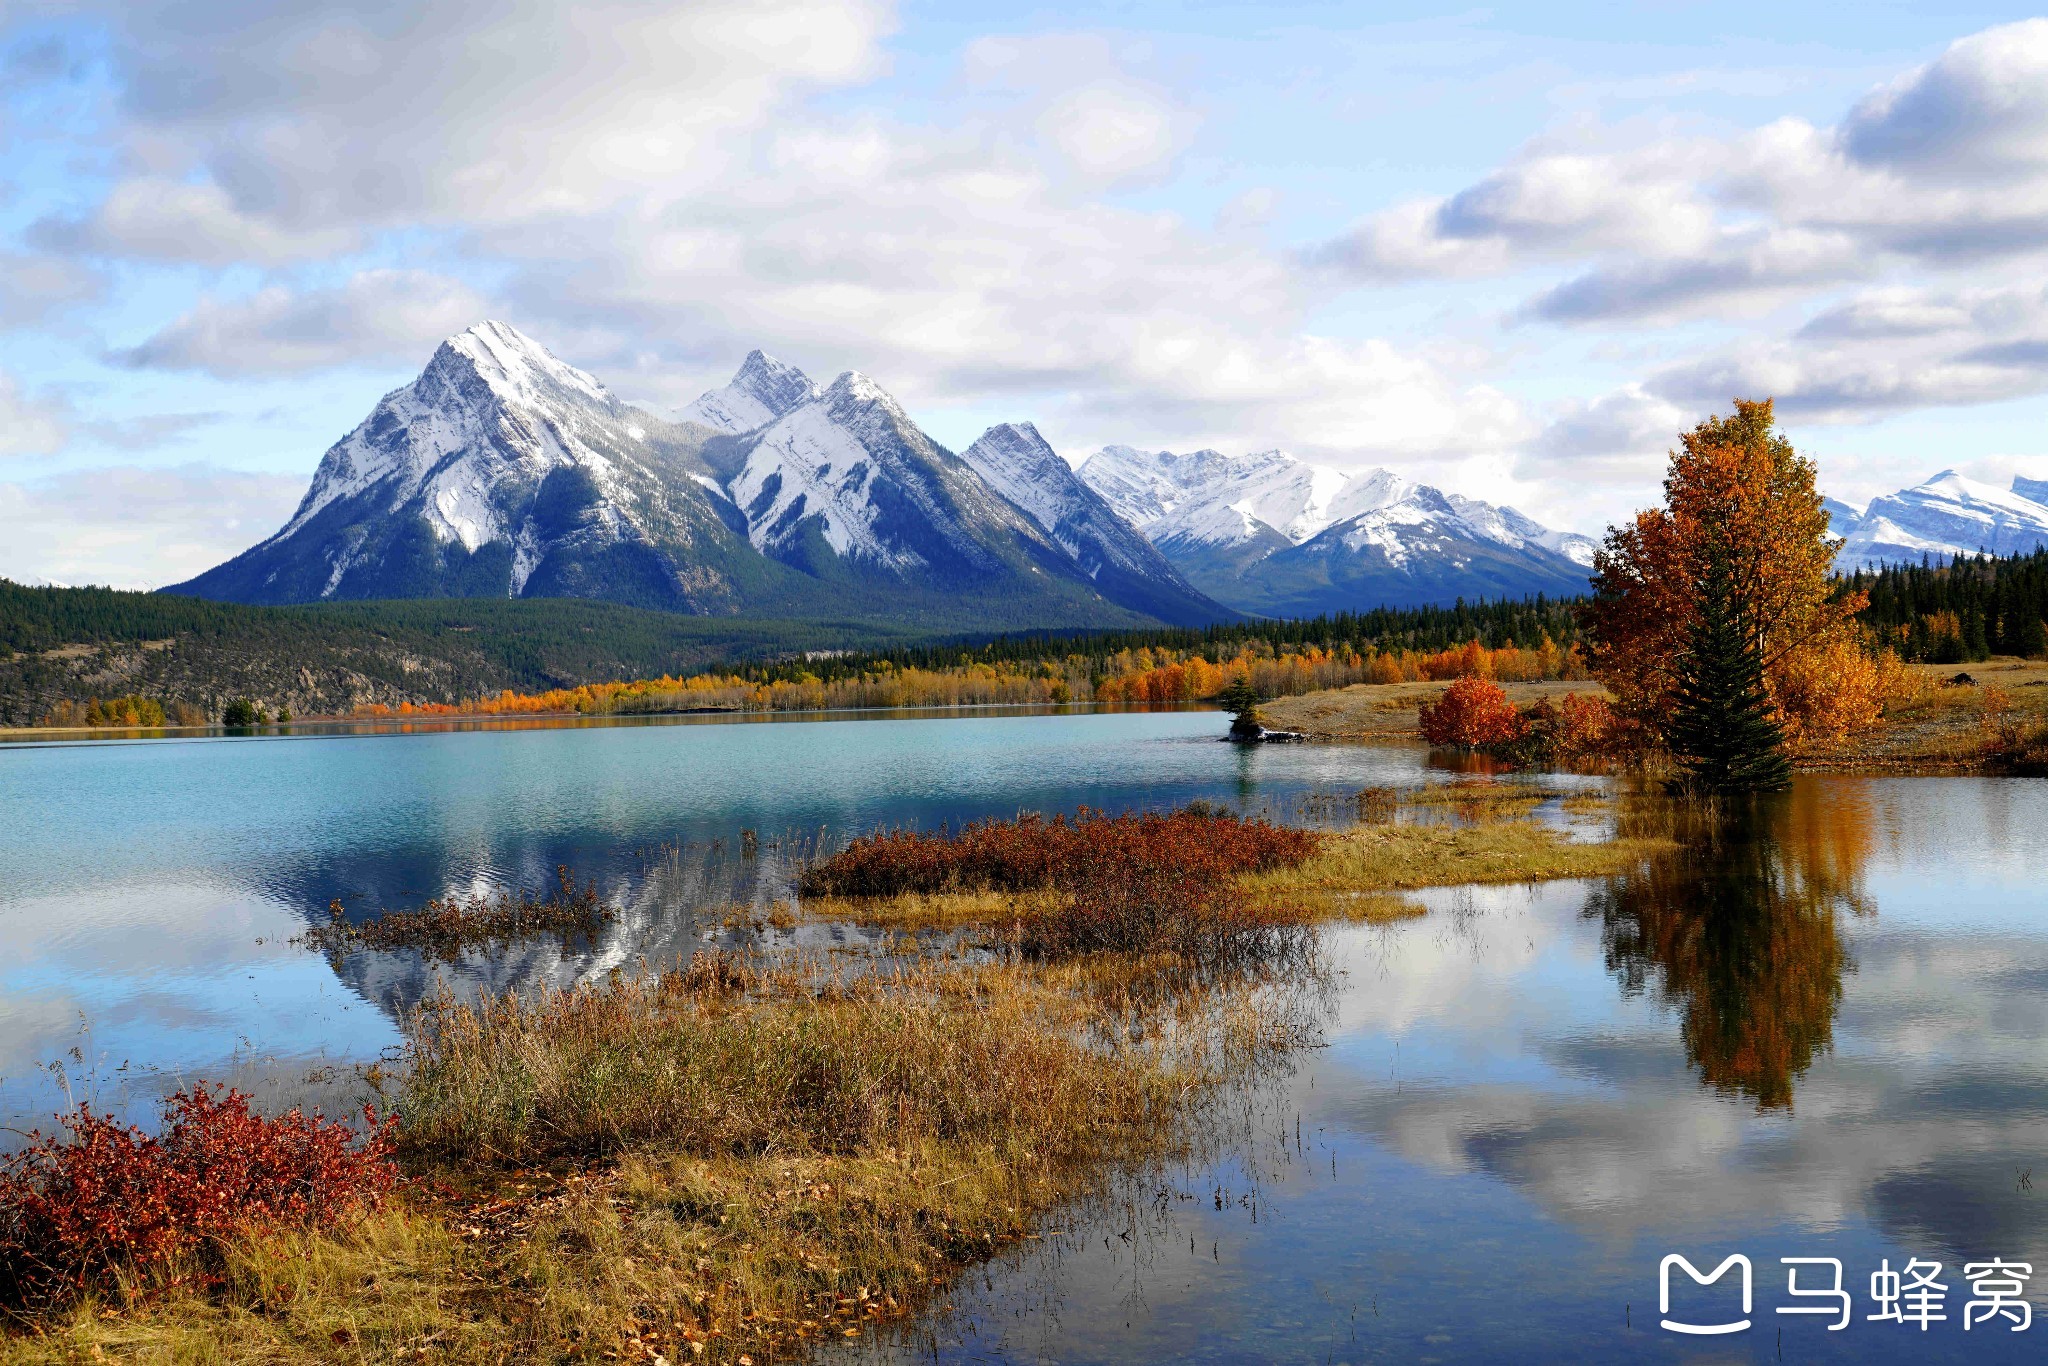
x=1738, y=931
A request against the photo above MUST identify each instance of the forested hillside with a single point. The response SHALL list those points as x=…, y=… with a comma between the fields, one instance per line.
x=62, y=647
x=70, y=644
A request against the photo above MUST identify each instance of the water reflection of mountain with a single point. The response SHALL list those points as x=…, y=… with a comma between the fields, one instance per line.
x=1738, y=933
x=676, y=902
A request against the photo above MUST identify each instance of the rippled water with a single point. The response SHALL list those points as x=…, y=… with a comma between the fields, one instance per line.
x=1822, y=1037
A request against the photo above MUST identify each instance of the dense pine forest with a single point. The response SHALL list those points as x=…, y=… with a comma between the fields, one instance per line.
x=1961, y=612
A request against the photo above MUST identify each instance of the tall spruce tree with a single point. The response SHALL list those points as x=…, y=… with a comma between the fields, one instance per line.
x=1721, y=728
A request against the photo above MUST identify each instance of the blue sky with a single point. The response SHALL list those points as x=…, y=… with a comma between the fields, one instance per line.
x=1511, y=251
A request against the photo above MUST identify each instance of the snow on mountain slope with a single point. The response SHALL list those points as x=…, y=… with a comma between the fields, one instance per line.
x=763, y=390
x=1018, y=463
x=1942, y=518
x=1222, y=519
x=1217, y=499
x=1505, y=526
x=847, y=487
x=814, y=466
x=2036, y=489
x=462, y=401
x=500, y=471
x=1842, y=518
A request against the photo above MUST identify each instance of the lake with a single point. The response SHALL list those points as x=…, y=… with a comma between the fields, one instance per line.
x=1818, y=1038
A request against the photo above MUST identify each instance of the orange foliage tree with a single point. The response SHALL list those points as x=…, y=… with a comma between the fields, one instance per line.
x=1474, y=713
x=1736, y=487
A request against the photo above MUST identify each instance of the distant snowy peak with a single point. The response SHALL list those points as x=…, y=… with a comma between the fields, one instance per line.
x=851, y=468
x=763, y=390
x=1208, y=499
x=1947, y=516
x=1842, y=518
x=1508, y=527
x=1019, y=464
x=2036, y=489
x=1144, y=486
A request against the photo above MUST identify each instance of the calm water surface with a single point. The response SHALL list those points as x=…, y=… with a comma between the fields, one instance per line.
x=1824, y=1040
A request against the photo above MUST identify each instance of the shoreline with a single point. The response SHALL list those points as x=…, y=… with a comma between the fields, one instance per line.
x=314, y=728
x=663, y=1189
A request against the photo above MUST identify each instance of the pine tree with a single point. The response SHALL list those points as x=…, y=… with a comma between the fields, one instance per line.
x=1721, y=726
x=1241, y=700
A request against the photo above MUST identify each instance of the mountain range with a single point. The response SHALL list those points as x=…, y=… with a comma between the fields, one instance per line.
x=503, y=471
x=1276, y=536
x=1940, y=519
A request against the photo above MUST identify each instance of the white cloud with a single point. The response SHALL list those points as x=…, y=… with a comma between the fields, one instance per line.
x=158, y=218
x=309, y=117
x=137, y=528
x=376, y=316
x=30, y=425
x=1946, y=166
x=1111, y=129
x=34, y=286
x=1884, y=351
x=1982, y=106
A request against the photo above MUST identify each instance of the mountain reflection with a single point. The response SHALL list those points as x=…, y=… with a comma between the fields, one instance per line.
x=1738, y=933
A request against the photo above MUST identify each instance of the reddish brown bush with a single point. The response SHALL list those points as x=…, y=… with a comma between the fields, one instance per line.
x=1032, y=852
x=77, y=1208
x=1135, y=883
x=1473, y=713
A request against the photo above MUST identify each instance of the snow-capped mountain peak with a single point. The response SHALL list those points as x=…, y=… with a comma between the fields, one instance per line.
x=1018, y=463
x=762, y=390
x=1270, y=532
x=1944, y=517
x=2036, y=489
x=520, y=368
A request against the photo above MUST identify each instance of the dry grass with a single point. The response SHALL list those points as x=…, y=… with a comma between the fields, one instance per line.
x=1389, y=858
x=1388, y=711
x=1944, y=728
x=1355, y=874
x=750, y=1156
x=721, y=1163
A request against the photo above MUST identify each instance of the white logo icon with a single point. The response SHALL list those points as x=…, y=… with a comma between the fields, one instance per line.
x=1701, y=1329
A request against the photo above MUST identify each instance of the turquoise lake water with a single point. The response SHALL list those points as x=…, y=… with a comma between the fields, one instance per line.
x=1827, y=1037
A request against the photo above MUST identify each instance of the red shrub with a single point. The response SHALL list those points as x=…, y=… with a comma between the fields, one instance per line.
x=1473, y=714
x=1032, y=852
x=76, y=1208
x=1135, y=883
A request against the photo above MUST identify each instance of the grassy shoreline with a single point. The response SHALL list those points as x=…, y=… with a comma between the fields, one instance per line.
x=1943, y=730
x=742, y=1158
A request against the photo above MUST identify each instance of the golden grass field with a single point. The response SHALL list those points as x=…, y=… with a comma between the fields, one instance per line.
x=1943, y=728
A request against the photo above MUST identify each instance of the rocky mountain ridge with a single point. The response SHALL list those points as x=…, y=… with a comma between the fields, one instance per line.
x=1270, y=533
